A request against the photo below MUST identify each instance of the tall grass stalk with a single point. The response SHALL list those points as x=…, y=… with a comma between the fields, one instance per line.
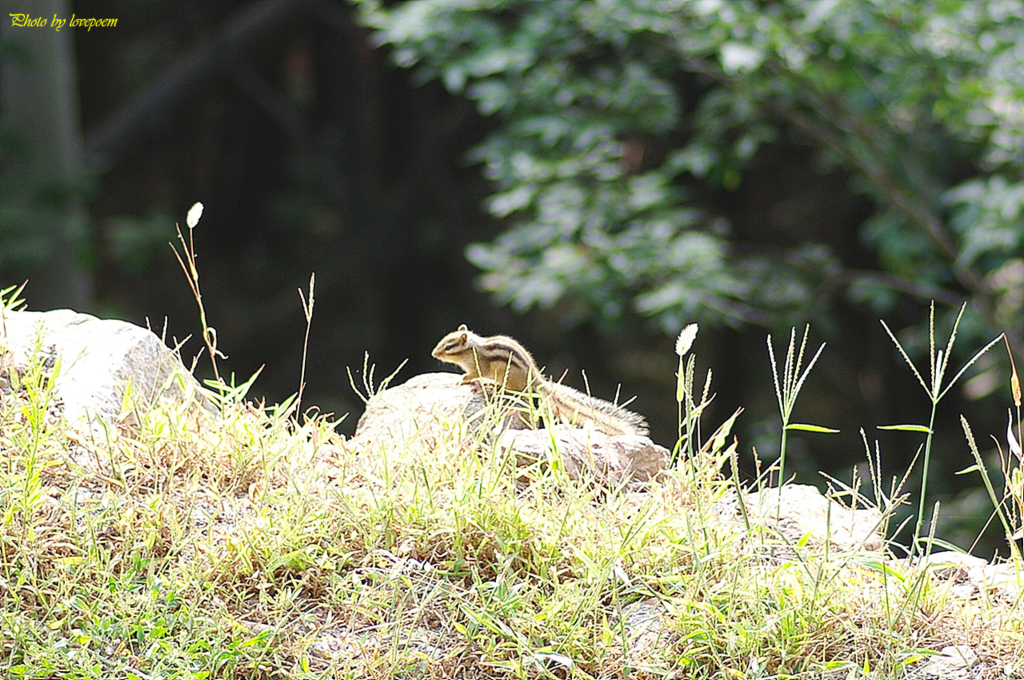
x=307, y=311
x=187, y=260
x=689, y=411
x=979, y=465
x=936, y=390
x=786, y=391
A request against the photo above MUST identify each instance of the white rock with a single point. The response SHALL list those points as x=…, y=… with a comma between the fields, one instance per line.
x=804, y=511
x=954, y=663
x=438, y=407
x=98, y=359
x=588, y=453
x=973, y=575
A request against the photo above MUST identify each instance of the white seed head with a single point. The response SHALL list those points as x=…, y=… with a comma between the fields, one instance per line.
x=685, y=339
x=194, y=213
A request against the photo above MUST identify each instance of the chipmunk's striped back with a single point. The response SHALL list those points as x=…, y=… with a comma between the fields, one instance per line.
x=501, y=360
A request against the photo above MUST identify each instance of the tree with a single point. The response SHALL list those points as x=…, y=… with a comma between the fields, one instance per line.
x=616, y=116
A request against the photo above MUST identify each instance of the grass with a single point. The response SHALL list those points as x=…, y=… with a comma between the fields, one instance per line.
x=245, y=545
x=255, y=543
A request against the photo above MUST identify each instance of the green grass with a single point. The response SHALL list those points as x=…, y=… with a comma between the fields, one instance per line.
x=245, y=546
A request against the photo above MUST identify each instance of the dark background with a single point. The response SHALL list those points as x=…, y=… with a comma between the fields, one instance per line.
x=311, y=153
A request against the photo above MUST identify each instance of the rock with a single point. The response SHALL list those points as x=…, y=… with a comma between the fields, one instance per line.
x=805, y=512
x=98, y=358
x=586, y=452
x=955, y=663
x=437, y=407
x=971, y=576
x=646, y=631
x=424, y=410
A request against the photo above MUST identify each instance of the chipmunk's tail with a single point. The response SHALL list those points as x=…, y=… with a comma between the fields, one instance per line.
x=578, y=407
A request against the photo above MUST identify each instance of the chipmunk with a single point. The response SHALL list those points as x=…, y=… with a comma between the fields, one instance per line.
x=504, y=363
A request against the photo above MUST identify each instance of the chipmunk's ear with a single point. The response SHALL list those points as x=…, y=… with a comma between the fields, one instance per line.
x=463, y=327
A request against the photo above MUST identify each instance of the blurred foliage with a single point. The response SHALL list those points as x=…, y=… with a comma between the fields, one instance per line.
x=37, y=201
x=32, y=204
x=617, y=116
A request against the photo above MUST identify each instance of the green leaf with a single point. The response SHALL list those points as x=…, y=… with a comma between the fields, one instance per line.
x=811, y=428
x=905, y=428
